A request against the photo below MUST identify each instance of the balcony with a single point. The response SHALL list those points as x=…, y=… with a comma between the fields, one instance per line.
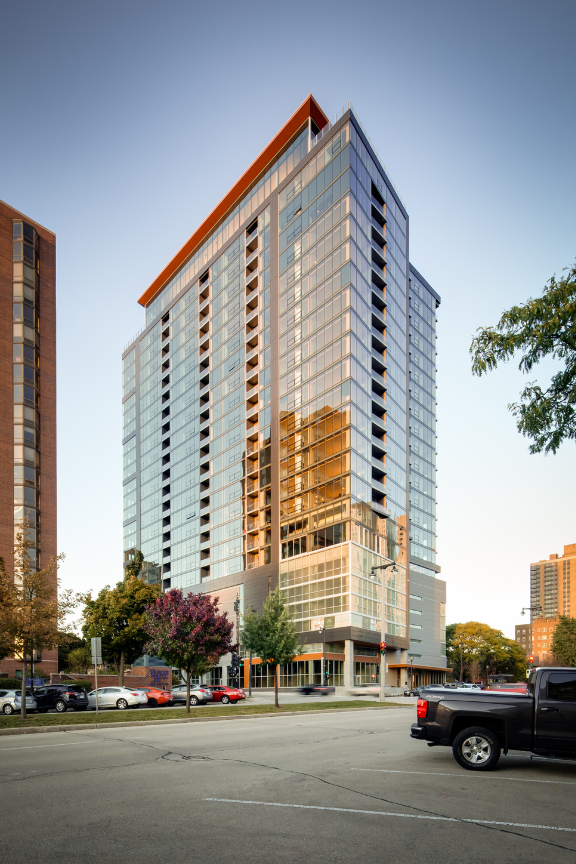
x=251, y=487
x=252, y=353
x=252, y=279
x=378, y=425
x=252, y=544
x=252, y=299
x=252, y=525
x=252, y=260
x=251, y=467
x=252, y=394
x=380, y=508
x=378, y=232
x=378, y=401
x=251, y=411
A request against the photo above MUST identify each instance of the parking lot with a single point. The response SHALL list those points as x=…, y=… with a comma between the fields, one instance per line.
x=336, y=787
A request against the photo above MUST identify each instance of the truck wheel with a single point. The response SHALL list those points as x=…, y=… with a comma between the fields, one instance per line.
x=476, y=749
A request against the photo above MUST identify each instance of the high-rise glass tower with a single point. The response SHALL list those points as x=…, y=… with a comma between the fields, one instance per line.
x=266, y=433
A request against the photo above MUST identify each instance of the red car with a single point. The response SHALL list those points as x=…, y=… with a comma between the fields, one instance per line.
x=157, y=697
x=225, y=694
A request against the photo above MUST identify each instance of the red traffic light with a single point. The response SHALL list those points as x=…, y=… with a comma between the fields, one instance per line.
x=382, y=647
x=531, y=658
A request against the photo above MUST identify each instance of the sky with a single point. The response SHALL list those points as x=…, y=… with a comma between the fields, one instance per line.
x=124, y=123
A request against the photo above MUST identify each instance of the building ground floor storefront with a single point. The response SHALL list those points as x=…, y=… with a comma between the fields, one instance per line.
x=346, y=664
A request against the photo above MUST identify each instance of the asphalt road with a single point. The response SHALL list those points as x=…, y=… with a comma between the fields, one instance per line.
x=344, y=787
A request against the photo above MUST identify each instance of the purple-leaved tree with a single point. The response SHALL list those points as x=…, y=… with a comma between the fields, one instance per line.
x=189, y=632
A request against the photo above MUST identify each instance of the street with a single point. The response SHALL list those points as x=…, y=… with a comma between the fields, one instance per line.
x=345, y=787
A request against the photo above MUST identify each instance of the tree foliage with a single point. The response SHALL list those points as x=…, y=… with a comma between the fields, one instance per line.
x=118, y=616
x=135, y=565
x=272, y=636
x=564, y=641
x=33, y=606
x=480, y=649
x=79, y=659
x=188, y=631
x=541, y=327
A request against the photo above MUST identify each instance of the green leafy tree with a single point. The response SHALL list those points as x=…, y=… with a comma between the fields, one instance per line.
x=564, y=641
x=541, y=327
x=479, y=647
x=272, y=635
x=188, y=632
x=134, y=567
x=65, y=647
x=118, y=616
x=33, y=606
x=79, y=659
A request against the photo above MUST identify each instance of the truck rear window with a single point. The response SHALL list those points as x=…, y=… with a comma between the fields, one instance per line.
x=562, y=686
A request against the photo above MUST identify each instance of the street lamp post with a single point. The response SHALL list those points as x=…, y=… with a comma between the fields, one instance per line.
x=538, y=609
x=383, y=625
x=322, y=630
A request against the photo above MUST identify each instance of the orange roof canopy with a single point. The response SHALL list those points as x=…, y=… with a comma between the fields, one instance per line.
x=309, y=108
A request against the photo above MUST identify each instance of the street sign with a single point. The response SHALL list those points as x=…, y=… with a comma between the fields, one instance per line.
x=317, y=623
x=96, y=644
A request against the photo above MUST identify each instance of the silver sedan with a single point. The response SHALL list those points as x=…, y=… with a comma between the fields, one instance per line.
x=198, y=694
x=116, y=697
x=10, y=701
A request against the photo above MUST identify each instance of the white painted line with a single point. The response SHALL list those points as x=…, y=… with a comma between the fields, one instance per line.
x=38, y=746
x=399, y=815
x=461, y=776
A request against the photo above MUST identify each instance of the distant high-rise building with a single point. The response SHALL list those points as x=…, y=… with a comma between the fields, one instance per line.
x=266, y=436
x=28, y=394
x=551, y=596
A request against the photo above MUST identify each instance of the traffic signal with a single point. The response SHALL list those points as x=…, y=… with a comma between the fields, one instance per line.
x=531, y=659
x=382, y=647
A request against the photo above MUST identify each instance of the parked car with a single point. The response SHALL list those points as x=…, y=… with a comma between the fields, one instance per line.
x=415, y=691
x=156, y=697
x=199, y=694
x=116, y=697
x=10, y=701
x=479, y=724
x=60, y=697
x=223, y=694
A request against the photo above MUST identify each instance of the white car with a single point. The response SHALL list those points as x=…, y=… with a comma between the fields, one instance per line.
x=10, y=701
x=468, y=687
x=117, y=697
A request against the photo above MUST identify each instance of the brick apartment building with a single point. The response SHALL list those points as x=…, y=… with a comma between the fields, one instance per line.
x=27, y=394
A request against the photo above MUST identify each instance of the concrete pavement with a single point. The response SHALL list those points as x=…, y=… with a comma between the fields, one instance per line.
x=350, y=787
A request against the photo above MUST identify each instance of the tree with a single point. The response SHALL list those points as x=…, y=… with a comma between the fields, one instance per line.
x=118, y=616
x=544, y=327
x=79, y=659
x=135, y=565
x=65, y=647
x=478, y=646
x=272, y=635
x=564, y=641
x=33, y=610
x=188, y=632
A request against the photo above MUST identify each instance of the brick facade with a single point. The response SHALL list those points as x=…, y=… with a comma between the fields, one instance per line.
x=46, y=406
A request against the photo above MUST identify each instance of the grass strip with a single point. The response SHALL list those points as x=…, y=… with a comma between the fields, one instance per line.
x=89, y=717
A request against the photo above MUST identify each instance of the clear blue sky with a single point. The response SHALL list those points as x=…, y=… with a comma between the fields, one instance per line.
x=123, y=123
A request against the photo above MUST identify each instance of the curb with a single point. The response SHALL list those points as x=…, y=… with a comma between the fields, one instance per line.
x=34, y=730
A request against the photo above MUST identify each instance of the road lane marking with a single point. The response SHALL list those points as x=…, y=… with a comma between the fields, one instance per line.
x=38, y=746
x=483, y=776
x=399, y=815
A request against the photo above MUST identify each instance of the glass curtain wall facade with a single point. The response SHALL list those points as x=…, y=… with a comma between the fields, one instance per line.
x=265, y=404
x=427, y=591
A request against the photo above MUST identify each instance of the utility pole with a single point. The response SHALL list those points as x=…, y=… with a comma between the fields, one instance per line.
x=532, y=609
x=322, y=673
x=383, y=625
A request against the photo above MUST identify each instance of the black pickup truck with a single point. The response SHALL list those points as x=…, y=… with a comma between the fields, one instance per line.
x=480, y=724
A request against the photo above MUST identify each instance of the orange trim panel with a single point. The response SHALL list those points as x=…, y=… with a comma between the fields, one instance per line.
x=309, y=108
